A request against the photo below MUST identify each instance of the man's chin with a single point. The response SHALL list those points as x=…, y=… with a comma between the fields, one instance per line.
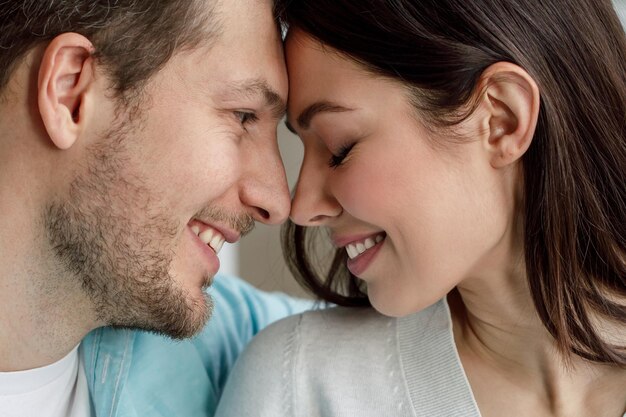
x=177, y=322
x=198, y=313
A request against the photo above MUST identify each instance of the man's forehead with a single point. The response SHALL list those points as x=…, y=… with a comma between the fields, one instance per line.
x=246, y=16
x=247, y=59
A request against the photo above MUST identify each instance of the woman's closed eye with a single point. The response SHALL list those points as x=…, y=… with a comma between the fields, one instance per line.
x=338, y=158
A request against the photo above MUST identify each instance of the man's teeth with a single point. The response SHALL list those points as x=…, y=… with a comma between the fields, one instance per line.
x=211, y=237
x=357, y=248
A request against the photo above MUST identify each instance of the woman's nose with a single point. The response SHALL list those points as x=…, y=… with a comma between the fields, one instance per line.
x=313, y=204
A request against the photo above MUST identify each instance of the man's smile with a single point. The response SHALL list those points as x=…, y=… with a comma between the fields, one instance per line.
x=209, y=236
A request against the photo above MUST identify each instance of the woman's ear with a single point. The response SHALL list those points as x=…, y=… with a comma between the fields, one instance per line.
x=65, y=77
x=511, y=99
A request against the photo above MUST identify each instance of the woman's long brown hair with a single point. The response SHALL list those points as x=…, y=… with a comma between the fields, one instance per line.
x=574, y=171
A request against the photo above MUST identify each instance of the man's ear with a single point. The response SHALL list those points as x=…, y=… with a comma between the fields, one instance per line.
x=511, y=99
x=65, y=77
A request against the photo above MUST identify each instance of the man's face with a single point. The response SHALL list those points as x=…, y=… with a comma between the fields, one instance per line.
x=155, y=196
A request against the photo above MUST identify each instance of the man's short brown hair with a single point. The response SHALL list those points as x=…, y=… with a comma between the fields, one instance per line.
x=132, y=38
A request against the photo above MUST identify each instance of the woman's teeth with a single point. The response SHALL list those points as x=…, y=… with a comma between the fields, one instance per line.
x=357, y=248
x=211, y=237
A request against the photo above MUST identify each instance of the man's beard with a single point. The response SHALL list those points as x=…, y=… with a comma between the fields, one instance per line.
x=110, y=234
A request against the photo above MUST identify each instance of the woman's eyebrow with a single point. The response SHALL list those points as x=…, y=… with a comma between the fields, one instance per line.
x=307, y=115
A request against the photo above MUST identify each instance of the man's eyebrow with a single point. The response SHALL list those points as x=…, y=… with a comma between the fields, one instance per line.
x=258, y=86
x=307, y=115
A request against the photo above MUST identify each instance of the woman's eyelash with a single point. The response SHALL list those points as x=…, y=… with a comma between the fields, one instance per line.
x=336, y=160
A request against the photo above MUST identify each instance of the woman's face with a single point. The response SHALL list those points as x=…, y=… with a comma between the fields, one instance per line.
x=417, y=213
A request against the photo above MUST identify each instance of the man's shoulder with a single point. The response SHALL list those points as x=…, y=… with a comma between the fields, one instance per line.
x=239, y=311
x=233, y=295
x=126, y=368
x=129, y=370
x=238, y=307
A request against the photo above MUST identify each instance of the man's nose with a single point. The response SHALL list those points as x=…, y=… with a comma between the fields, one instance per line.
x=313, y=203
x=264, y=189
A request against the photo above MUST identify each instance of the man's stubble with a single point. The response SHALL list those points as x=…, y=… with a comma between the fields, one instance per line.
x=113, y=237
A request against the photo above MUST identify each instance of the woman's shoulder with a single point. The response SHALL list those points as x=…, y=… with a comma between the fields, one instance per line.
x=316, y=328
x=342, y=326
x=303, y=358
x=349, y=359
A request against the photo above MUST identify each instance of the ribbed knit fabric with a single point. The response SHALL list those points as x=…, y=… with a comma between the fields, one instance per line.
x=435, y=378
x=352, y=362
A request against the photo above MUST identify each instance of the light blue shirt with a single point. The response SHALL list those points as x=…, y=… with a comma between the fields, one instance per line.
x=138, y=374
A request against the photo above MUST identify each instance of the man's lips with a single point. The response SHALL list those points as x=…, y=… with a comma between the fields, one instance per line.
x=209, y=252
x=214, y=234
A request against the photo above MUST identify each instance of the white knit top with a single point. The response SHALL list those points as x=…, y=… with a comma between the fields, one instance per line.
x=345, y=362
x=352, y=362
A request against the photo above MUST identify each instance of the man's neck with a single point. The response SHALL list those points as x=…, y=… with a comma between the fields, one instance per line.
x=37, y=328
x=44, y=314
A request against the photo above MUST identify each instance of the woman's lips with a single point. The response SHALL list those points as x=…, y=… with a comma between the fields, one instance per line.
x=362, y=254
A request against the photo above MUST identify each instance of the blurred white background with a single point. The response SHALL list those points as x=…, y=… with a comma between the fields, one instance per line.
x=620, y=6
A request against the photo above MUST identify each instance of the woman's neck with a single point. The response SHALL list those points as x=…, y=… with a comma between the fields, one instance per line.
x=509, y=355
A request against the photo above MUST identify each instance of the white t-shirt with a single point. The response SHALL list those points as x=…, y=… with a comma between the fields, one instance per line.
x=57, y=390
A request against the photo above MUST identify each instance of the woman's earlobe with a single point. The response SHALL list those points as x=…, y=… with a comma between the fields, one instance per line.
x=65, y=76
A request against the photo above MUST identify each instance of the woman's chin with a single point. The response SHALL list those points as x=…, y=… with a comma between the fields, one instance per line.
x=395, y=304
